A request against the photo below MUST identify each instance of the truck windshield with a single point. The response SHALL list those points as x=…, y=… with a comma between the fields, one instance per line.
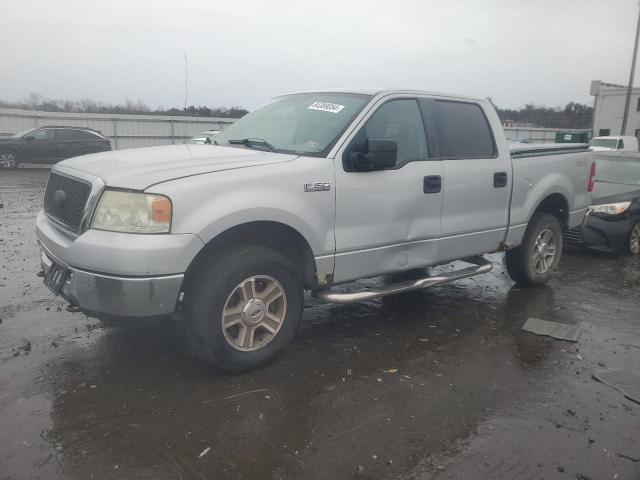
x=618, y=170
x=604, y=142
x=304, y=124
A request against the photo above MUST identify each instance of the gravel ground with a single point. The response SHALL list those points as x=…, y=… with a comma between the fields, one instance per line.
x=439, y=384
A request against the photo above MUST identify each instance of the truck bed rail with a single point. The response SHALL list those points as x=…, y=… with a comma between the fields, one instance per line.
x=548, y=149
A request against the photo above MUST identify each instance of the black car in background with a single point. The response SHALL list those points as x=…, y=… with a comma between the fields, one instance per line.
x=50, y=144
x=613, y=221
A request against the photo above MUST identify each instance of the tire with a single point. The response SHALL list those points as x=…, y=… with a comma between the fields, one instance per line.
x=525, y=264
x=633, y=243
x=214, y=294
x=9, y=159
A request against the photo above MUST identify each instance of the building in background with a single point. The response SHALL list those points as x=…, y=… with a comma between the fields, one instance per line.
x=608, y=109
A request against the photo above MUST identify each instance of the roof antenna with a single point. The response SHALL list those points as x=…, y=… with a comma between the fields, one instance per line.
x=186, y=78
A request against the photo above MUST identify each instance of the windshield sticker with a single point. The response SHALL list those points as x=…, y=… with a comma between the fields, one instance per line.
x=325, y=107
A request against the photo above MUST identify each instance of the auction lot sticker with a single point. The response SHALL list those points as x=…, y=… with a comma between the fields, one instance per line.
x=325, y=107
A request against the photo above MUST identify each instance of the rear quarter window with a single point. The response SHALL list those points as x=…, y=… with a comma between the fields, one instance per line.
x=84, y=135
x=463, y=131
x=71, y=134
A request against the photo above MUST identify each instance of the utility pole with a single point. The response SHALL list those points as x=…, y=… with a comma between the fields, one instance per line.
x=630, y=86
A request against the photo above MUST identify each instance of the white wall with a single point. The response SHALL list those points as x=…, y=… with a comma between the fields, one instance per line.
x=610, y=108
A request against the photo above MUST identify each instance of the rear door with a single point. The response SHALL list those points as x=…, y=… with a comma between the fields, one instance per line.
x=476, y=180
x=388, y=220
x=67, y=142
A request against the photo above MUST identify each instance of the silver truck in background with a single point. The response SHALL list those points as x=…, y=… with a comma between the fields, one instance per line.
x=309, y=191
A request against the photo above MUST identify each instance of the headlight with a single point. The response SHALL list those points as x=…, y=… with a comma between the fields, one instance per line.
x=611, y=208
x=132, y=212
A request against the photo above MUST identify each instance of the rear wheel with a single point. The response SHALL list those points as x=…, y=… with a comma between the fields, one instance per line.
x=634, y=240
x=533, y=262
x=242, y=306
x=9, y=159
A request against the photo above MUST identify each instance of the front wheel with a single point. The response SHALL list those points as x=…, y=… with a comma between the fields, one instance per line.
x=242, y=306
x=533, y=262
x=9, y=159
x=634, y=240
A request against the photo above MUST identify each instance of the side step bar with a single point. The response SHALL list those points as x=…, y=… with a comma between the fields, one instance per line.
x=481, y=265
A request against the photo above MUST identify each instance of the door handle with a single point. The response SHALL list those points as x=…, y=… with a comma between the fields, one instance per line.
x=432, y=184
x=500, y=179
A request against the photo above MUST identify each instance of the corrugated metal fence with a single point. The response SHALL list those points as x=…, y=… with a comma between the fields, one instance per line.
x=124, y=131
x=537, y=135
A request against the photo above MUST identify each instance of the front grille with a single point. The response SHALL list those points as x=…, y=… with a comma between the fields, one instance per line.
x=65, y=199
x=574, y=236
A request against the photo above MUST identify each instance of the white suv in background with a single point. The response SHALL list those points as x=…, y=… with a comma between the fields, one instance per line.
x=620, y=143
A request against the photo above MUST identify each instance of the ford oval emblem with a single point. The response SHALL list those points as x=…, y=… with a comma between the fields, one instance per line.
x=59, y=198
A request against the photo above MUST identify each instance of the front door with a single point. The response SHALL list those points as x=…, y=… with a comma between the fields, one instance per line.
x=40, y=145
x=388, y=220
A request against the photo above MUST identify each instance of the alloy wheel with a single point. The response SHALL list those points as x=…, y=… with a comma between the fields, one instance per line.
x=8, y=159
x=634, y=242
x=254, y=313
x=544, y=251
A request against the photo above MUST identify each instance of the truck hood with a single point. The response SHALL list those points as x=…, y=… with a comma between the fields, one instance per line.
x=605, y=192
x=139, y=168
x=602, y=149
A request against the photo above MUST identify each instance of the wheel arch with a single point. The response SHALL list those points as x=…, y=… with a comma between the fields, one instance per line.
x=14, y=148
x=278, y=236
x=555, y=204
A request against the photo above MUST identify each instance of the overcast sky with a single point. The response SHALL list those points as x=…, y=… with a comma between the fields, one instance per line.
x=244, y=52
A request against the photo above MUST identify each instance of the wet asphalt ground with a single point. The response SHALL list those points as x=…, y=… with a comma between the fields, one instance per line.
x=438, y=384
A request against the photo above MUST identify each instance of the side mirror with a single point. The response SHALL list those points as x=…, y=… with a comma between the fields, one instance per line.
x=28, y=139
x=378, y=154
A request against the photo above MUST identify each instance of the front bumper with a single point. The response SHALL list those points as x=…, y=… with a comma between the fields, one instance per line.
x=608, y=234
x=111, y=295
x=118, y=274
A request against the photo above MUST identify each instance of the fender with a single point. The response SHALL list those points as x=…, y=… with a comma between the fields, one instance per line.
x=208, y=205
x=527, y=197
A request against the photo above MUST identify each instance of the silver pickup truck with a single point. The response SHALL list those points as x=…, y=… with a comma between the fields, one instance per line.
x=310, y=191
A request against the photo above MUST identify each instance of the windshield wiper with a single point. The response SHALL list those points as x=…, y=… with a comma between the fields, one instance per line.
x=253, y=143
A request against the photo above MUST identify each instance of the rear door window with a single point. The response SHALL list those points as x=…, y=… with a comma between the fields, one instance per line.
x=463, y=131
x=64, y=134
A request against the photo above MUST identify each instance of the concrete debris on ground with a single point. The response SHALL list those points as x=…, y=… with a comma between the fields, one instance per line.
x=559, y=331
x=625, y=381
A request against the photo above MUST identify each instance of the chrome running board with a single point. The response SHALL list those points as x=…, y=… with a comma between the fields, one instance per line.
x=481, y=265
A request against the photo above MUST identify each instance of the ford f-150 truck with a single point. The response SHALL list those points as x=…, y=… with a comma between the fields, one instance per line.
x=310, y=191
